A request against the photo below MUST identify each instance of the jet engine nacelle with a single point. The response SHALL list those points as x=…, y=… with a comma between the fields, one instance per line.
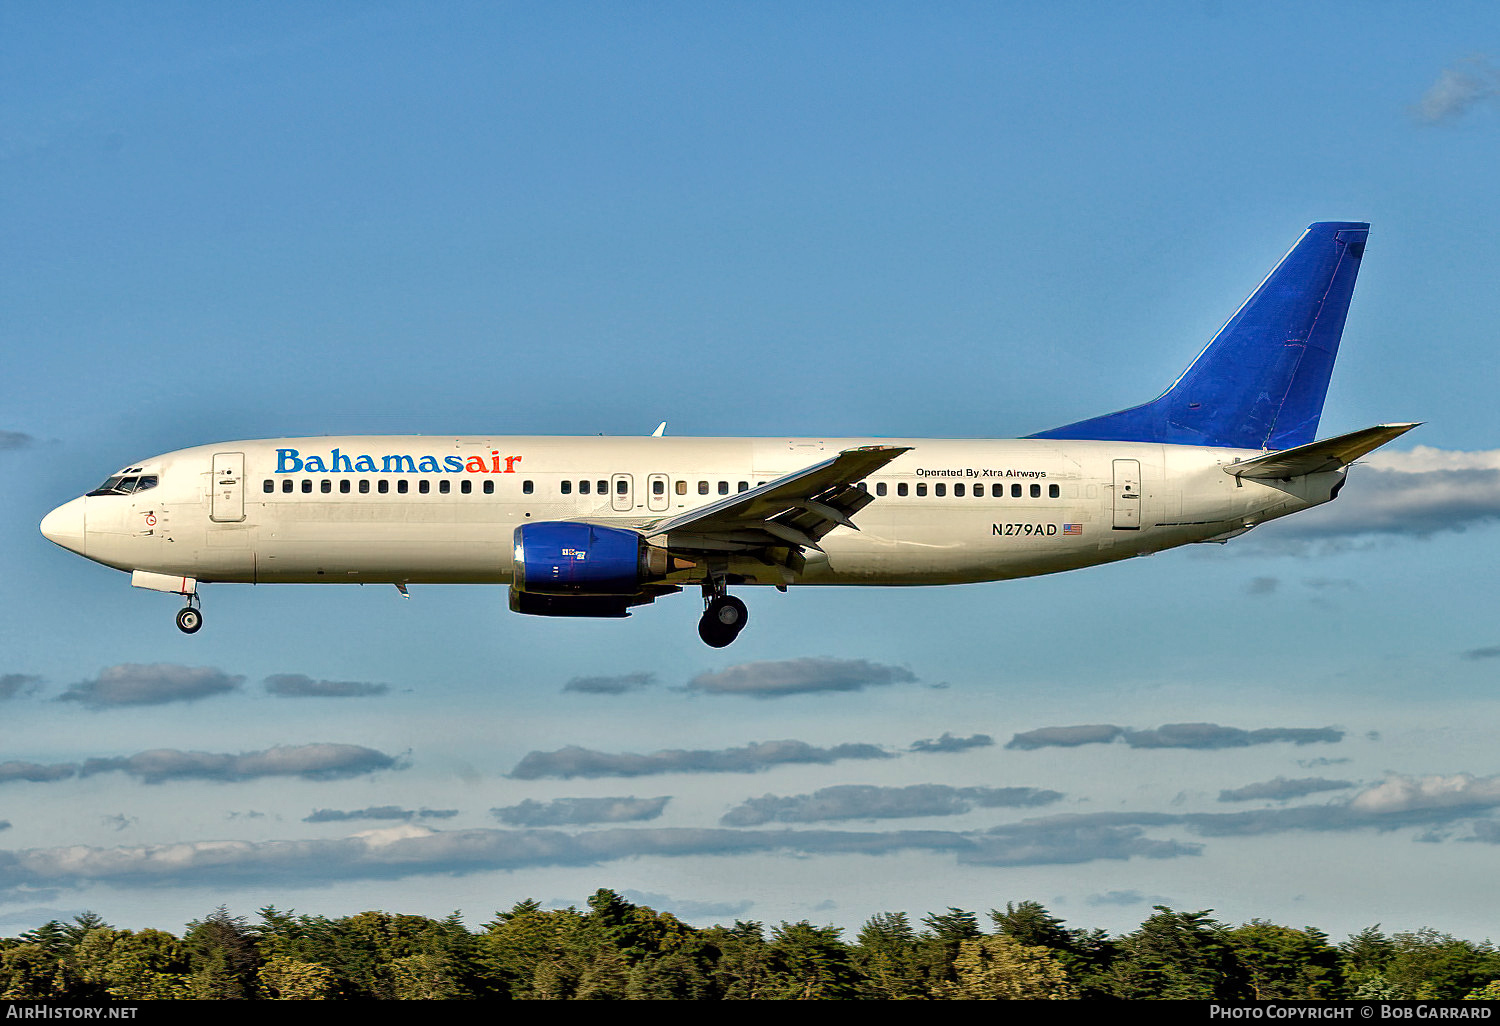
x=571, y=569
x=556, y=558
x=596, y=606
x=561, y=558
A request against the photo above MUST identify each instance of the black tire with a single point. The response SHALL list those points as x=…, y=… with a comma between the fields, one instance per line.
x=722, y=621
x=189, y=620
x=713, y=633
x=730, y=612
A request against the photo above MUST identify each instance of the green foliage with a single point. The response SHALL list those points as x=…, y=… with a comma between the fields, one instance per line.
x=526, y=951
x=225, y=956
x=146, y=966
x=953, y=925
x=1489, y=992
x=1002, y=967
x=741, y=961
x=1362, y=959
x=1030, y=924
x=286, y=979
x=1428, y=965
x=1288, y=964
x=28, y=972
x=362, y=952
x=1179, y=956
x=614, y=949
x=888, y=957
x=809, y=963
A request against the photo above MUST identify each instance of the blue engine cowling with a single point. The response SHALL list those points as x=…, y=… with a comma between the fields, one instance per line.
x=558, y=558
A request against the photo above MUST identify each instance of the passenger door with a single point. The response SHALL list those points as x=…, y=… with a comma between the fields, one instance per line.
x=227, y=498
x=1127, y=495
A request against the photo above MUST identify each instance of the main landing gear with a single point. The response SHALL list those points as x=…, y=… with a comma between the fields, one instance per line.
x=724, y=616
x=190, y=617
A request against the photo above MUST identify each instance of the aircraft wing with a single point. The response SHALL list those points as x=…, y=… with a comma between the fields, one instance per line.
x=1318, y=457
x=792, y=513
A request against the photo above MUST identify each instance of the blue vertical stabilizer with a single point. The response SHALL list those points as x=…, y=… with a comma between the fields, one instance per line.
x=1260, y=383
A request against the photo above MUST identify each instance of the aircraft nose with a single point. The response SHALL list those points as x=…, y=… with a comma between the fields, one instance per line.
x=65, y=525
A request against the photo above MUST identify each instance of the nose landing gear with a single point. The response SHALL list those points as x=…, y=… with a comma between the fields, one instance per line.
x=724, y=616
x=190, y=617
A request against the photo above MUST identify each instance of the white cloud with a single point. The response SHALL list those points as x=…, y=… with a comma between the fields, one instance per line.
x=299, y=685
x=1398, y=794
x=574, y=761
x=866, y=801
x=311, y=762
x=578, y=811
x=1420, y=492
x=158, y=683
x=1459, y=88
x=615, y=685
x=799, y=676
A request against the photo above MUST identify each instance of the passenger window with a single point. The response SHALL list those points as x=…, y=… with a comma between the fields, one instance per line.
x=681, y=487
x=306, y=486
x=1015, y=491
x=270, y=486
x=382, y=486
x=879, y=487
x=958, y=490
x=344, y=486
x=603, y=487
x=997, y=490
x=702, y=487
x=922, y=488
x=286, y=485
x=583, y=487
x=424, y=486
x=444, y=487
x=325, y=487
x=723, y=487
x=1053, y=491
x=489, y=487
x=658, y=487
x=401, y=486
x=744, y=486
x=939, y=489
x=1036, y=491
x=466, y=486
x=621, y=486
x=528, y=487
x=566, y=487
x=901, y=489
x=364, y=486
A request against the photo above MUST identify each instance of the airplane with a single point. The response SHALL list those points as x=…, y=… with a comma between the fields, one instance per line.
x=595, y=526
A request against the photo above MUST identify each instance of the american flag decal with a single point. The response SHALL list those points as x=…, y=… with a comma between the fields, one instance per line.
x=1072, y=529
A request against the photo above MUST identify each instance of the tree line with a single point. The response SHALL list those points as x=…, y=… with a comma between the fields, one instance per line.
x=615, y=949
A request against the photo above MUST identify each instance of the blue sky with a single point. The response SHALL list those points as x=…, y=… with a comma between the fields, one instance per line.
x=974, y=220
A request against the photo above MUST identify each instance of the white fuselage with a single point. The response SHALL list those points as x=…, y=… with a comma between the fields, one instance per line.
x=441, y=509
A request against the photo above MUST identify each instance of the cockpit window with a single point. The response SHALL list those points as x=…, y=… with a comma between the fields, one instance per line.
x=116, y=485
x=125, y=484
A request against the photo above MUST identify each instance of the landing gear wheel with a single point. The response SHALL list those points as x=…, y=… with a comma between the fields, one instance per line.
x=189, y=620
x=722, y=621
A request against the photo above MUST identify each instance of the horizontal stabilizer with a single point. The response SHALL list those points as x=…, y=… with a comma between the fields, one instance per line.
x=1318, y=457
